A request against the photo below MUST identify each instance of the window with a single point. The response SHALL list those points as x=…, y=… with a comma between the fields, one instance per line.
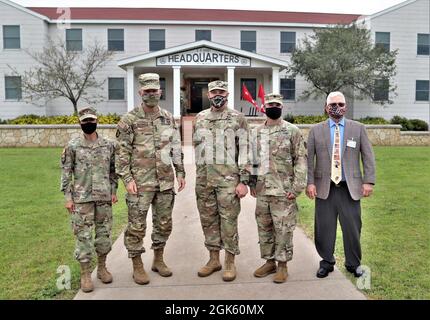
x=157, y=39
x=116, y=88
x=381, y=90
x=422, y=90
x=382, y=40
x=163, y=88
x=13, y=88
x=11, y=37
x=248, y=40
x=116, y=39
x=288, y=42
x=251, y=85
x=423, y=44
x=288, y=89
x=74, y=39
x=203, y=35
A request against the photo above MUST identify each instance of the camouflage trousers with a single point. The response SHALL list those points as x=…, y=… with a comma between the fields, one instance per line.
x=84, y=218
x=138, y=206
x=276, y=220
x=219, y=208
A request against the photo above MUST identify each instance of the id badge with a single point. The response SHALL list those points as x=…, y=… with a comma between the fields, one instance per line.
x=351, y=143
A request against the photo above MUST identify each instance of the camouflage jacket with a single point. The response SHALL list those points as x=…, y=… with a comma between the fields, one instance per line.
x=220, y=140
x=280, y=160
x=148, y=144
x=88, y=170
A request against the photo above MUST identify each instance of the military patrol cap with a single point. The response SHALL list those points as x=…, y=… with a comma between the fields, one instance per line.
x=273, y=97
x=87, y=112
x=217, y=84
x=149, y=81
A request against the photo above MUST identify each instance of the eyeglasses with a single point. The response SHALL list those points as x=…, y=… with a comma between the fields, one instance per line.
x=340, y=104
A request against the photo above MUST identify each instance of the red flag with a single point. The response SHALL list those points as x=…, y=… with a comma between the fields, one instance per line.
x=261, y=95
x=247, y=96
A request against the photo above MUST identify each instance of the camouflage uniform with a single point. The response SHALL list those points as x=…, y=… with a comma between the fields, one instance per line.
x=89, y=180
x=280, y=169
x=148, y=144
x=218, y=173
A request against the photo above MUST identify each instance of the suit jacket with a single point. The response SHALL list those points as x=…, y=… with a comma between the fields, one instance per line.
x=319, y=158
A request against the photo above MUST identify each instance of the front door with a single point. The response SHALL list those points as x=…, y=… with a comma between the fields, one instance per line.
x=198, y=94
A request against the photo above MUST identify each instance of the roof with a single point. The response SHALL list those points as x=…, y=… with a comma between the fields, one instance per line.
x=26, y=10
x=123, y=63
x=167, y=14
x=387, y=10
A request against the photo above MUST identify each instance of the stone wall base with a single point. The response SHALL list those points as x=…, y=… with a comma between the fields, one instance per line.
x=59, y=135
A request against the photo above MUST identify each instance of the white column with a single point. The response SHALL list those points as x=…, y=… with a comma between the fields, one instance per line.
x=176, y=91
x=130, y=88
x=275, y=80
x=230, y=81
x=266, y=82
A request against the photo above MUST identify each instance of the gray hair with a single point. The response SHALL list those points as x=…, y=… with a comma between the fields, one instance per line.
x=334, y=94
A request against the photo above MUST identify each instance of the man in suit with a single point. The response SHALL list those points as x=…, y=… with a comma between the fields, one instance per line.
x=336, y=182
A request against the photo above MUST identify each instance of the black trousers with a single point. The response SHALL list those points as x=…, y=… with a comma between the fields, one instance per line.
x=339, y=203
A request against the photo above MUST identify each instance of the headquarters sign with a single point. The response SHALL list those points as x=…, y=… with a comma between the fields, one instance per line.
x=203, y=57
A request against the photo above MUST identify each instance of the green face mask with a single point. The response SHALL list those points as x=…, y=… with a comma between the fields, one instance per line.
x=151, y=100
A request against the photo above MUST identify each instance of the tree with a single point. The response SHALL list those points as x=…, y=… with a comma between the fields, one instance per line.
x=343, y=58
x=64, y=73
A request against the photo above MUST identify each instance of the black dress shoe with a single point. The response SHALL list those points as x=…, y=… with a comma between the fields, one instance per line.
x=323, y=272
x=356, y=271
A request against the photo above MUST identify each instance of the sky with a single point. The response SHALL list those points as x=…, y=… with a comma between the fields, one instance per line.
x=365, y=7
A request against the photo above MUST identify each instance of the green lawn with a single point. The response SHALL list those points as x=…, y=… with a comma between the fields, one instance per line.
x=36, y=238
x=35, y=231
x=396, y=225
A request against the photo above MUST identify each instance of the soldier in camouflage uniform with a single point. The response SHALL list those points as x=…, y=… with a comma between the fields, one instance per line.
x=149, y=142
x=89, y=184
x=220, y=133
x=279, y=177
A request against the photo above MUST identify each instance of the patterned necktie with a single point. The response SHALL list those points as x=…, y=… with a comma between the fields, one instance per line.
x=336, y=165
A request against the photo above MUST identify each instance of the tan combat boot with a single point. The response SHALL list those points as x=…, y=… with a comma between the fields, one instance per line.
x=139, y=274
x=282, y=273
x=212, y=266
x=86, y=283
x=266, y=269
x=158, y=265
x=229, y=268
x=102, y=272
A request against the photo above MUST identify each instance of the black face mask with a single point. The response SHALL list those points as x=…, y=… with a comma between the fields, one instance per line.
x=274, y=113
x=89, y=127
x=218, y=101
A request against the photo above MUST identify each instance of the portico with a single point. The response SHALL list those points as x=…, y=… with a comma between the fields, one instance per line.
x=185, y=71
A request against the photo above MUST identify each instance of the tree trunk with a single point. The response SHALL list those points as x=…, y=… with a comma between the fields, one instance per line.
x=75, y=108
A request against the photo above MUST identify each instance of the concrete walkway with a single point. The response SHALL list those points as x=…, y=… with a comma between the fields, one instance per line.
x=185, y=254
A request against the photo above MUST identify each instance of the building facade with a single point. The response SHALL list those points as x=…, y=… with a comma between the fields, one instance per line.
x=190, y=48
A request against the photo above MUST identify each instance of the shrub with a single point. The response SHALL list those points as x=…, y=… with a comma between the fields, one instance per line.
x=110, y=118
x=410, y=124
x=407, y=124
x=404, y=122
x=289, y=117
x=419, y=125
x=373, y=120
x=305, y=119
